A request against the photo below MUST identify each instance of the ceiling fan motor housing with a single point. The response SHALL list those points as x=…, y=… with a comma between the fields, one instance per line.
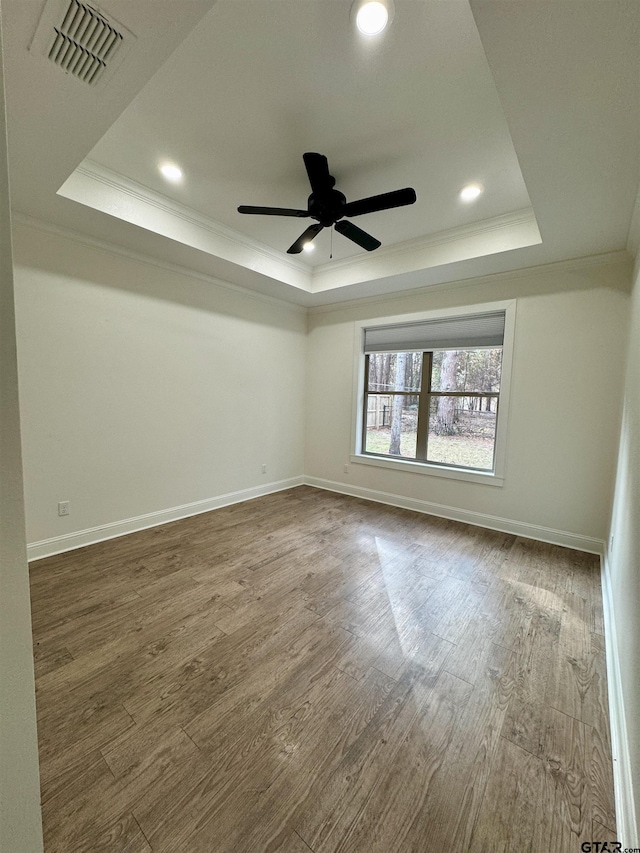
x=326, y=208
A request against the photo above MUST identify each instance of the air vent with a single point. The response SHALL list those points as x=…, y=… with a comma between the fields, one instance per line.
x=81, y=40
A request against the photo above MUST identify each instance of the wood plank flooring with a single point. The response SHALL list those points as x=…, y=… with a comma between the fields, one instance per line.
x=312, y=672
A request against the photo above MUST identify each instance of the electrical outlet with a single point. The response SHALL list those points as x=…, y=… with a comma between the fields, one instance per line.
x=63, y=508
x=346, y=469
x=264, y=469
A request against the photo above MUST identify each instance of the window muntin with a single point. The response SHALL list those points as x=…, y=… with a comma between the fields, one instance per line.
x=449, y=420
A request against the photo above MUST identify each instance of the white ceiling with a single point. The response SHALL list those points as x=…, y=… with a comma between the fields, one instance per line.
x=537, y=101
x=238, y=112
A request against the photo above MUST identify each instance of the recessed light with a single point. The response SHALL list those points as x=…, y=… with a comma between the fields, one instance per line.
x=470, y=192
x=308, y=247
x=171, y=172
x=372, y=16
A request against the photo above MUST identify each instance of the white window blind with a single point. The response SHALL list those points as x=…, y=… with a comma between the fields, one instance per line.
x=467, y=332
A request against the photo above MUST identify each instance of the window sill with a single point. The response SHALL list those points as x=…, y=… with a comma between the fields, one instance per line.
x=488, y=478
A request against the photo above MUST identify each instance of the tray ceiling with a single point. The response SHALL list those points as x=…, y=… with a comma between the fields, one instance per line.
x=451, y=93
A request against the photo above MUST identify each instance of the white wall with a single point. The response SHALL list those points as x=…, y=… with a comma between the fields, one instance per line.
x=565, y=400
x=20, y=820
x=144, y=389
x=623, y=565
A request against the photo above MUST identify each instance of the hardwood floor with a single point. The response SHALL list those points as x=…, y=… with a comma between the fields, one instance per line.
x=312, y=672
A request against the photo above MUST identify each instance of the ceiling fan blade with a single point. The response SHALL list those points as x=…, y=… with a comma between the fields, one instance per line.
x=306, y=237
x=397, y=198
x=318, y=171
x=348, y=229
x=272, y=211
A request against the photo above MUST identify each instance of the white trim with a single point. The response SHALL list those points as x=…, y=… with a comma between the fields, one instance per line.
x=434, y=251
x=70, y=541
x=112, y=530
x=492, y=522
x=488, y=478
x=526, y=216
x=140, y=257
x=627, y=827
x=114, y=180
x=142, y=210
x=495, y=477
x=585, y=262
x=27, y=221
x=89, y=176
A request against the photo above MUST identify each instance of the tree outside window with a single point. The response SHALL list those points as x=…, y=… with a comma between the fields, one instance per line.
x=437, y=406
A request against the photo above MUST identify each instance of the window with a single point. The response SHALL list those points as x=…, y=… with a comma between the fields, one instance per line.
x=433, y=393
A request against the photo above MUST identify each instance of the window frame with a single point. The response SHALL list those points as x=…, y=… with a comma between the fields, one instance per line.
x=359, y=456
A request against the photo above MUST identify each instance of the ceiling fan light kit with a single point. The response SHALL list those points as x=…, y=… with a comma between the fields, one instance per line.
x=328, y=206
x=372, y=17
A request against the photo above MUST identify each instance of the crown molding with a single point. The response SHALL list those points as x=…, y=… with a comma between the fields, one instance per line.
x=517, y=218
x=115, y=194
x=508, y=232
x=108, y=177
x=568, y=265
x=114, y=180
x=104, y=190
x=141, y=258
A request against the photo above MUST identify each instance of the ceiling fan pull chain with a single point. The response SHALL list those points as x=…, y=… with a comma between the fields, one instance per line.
x=331, y=249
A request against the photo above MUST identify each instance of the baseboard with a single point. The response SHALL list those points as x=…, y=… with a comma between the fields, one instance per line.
x=80, y=538
x=91, y=535
x=626, y=819
x=505, y=525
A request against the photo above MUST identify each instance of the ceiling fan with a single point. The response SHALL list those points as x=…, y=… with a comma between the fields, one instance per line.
x=327, y=206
